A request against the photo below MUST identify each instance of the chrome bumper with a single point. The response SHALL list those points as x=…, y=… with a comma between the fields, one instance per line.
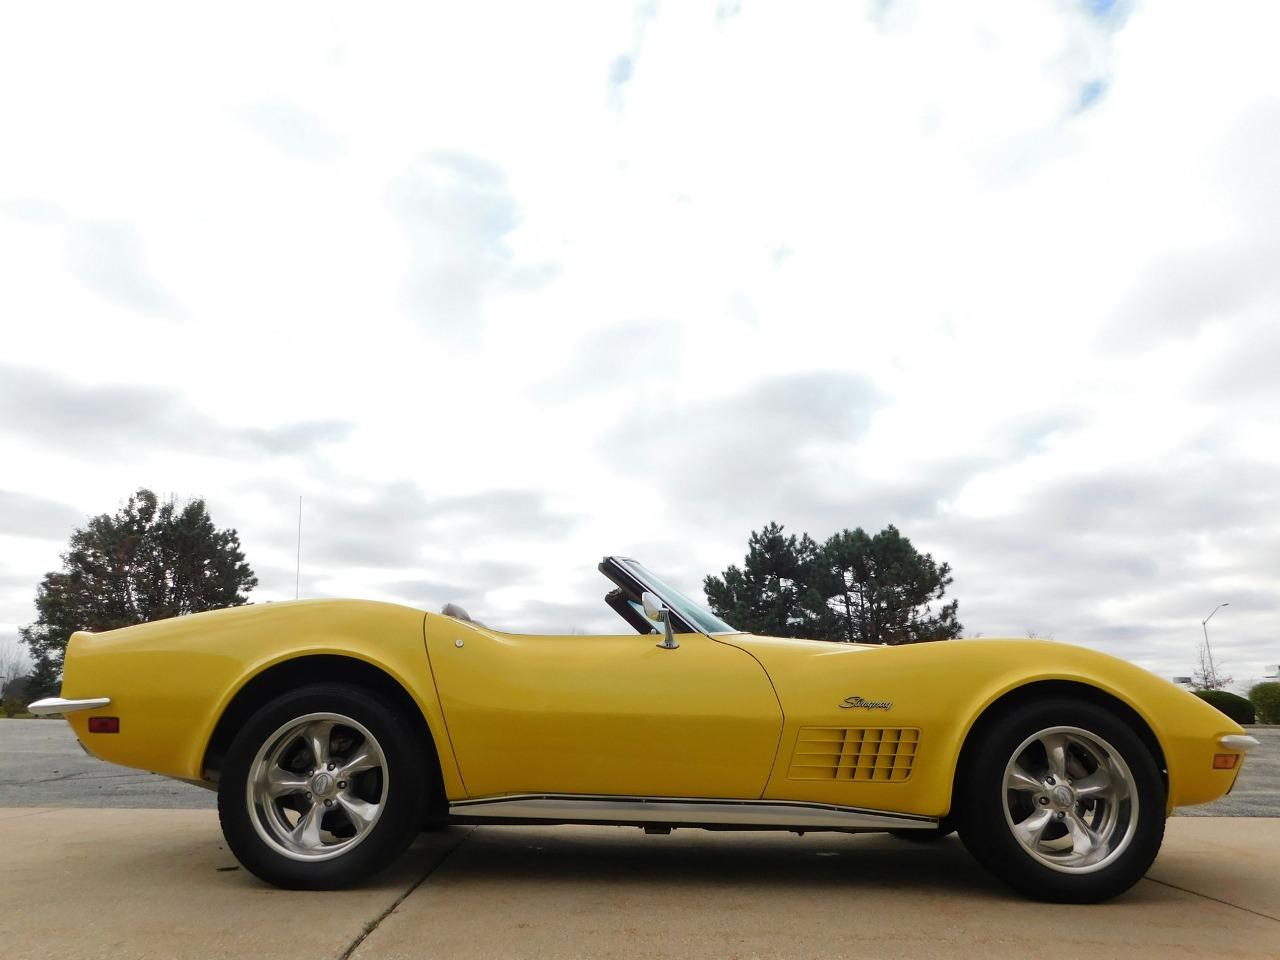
x=42, y=708
x=1238, y=741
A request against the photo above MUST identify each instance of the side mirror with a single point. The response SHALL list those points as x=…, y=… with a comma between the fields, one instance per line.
x=653, y=607
x=657, y=611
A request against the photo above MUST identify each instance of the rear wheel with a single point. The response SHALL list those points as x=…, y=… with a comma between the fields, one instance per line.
x=322, y=786
x=1064, y=802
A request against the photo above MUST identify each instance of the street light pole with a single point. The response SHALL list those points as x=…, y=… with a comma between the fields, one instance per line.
x=1204, y=625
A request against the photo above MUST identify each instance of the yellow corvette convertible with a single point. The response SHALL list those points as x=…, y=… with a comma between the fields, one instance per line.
x=333, y=731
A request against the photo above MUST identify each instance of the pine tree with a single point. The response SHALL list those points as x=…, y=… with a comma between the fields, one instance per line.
x=854, y=587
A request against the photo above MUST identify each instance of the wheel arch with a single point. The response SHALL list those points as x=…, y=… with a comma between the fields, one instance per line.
x=1010, y=700
x=298, y=671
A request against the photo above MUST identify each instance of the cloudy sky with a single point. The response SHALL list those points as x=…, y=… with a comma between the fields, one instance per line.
x=501, y=288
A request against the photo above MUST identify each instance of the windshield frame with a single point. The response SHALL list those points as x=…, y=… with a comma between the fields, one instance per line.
x=686, y=612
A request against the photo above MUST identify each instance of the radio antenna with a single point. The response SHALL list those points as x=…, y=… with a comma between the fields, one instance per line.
x=297, y=580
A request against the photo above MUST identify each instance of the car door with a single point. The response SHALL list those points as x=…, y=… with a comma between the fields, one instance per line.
x=603, y=715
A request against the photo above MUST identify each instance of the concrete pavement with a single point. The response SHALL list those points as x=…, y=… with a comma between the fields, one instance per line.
x=160, y=883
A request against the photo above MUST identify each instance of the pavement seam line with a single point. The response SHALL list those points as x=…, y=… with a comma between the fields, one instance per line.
x=376, y=922
x=1225, y=903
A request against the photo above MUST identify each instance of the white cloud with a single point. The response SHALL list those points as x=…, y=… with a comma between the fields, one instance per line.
x=1038, y=238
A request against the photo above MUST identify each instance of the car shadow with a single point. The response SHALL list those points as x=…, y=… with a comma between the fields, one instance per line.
x=605, y=855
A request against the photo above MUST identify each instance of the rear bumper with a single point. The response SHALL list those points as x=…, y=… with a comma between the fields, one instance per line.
x=42, y=708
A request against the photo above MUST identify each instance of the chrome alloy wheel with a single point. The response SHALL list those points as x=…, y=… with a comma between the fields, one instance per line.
x=1070, y=799
x=317, y=786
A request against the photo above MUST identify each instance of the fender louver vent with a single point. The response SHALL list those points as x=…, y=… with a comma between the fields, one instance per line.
x=864, y=754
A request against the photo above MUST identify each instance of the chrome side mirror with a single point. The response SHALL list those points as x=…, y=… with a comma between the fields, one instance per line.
x=657, y=611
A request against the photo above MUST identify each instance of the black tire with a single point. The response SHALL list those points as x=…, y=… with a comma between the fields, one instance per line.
x=403, y=797
x=985, y=826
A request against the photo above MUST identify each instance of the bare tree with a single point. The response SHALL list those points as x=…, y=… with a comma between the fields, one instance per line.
x=1206, y=676
x=14, y=663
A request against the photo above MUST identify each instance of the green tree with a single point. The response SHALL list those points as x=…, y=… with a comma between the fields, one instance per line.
x=882, y=590
x=148, y=561
x=772, y=593
x=854, y=587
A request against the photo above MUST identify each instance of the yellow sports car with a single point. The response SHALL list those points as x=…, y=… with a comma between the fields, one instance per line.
x=333, y=731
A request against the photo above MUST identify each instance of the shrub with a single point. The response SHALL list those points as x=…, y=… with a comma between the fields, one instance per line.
x=1265, y=698
x=1237, y=708
x=16, y=696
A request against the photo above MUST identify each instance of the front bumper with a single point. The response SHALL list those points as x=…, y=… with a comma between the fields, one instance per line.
x=42, y=708
x=1242, y=744
x=1239, y=742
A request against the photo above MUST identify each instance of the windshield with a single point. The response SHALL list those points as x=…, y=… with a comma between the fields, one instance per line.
x=694, y=614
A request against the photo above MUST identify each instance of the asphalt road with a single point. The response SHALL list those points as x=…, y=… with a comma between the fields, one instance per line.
x=41, y=765
x=1257, y=791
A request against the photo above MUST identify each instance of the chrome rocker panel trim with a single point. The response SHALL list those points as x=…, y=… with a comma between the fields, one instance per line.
x=1238, y=741
x=42, y=708
x=687, y=811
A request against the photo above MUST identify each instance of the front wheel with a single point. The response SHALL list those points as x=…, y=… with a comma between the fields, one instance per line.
x=322, y=787
x=1064, y=802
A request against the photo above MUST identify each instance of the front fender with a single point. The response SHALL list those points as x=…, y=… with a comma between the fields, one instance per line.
x=942, y=689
